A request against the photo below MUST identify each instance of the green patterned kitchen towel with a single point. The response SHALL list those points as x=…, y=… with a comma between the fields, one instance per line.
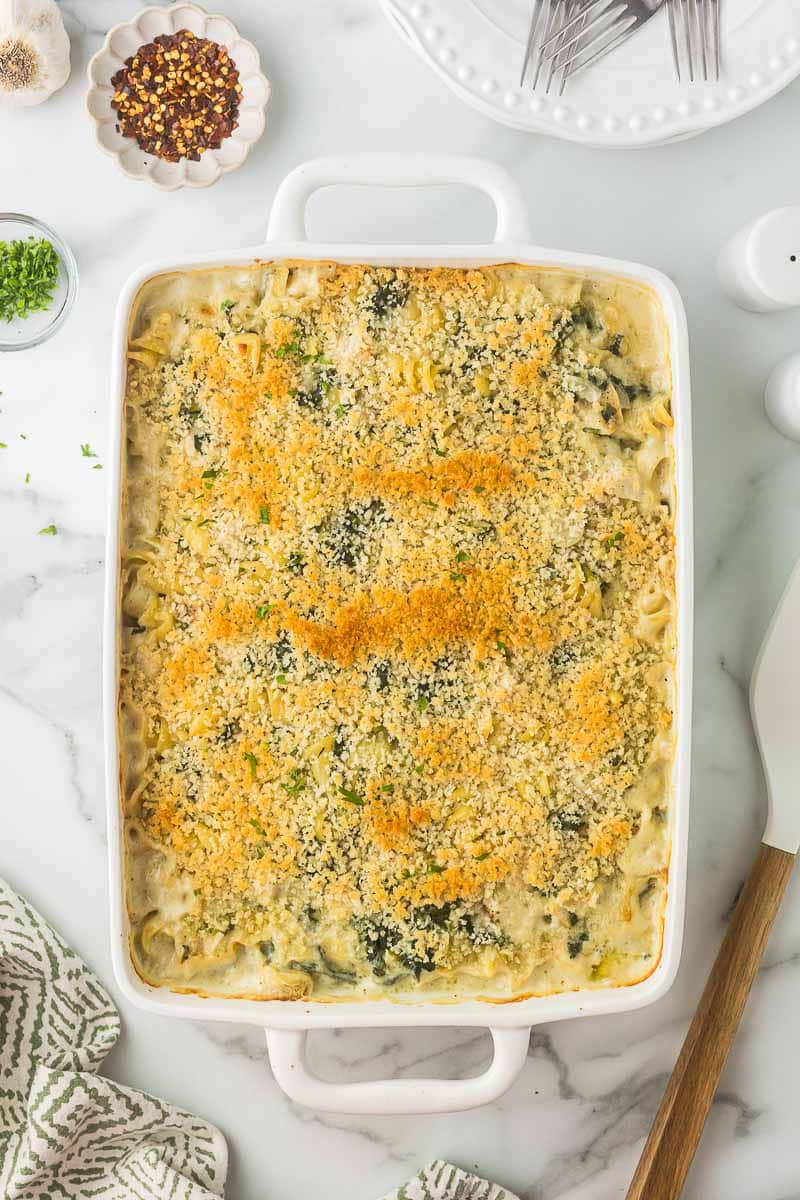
x=66, y=1132
x=442, y=1181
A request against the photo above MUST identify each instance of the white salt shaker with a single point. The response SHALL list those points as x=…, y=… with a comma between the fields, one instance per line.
x=759, y=268
x=782, y=397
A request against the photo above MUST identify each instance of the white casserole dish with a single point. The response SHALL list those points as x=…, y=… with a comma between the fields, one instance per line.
x=288, y=1022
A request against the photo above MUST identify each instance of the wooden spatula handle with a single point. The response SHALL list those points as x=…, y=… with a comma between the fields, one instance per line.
x=679, y=1122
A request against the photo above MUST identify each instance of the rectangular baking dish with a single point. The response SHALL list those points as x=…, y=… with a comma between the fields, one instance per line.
x=288, y=1022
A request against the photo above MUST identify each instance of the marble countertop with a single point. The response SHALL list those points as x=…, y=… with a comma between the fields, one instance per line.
x=572, y=1126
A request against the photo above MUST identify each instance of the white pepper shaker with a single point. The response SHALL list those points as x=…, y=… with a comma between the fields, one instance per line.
x=782, y=397
x=759, y=268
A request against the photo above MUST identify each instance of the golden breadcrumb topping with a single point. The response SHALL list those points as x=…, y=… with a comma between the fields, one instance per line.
x=398, y=593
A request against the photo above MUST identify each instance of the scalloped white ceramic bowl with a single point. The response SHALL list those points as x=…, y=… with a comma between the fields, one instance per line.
x=124, y=40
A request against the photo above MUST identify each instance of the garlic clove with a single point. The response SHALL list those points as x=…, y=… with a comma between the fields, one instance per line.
x=34, y=51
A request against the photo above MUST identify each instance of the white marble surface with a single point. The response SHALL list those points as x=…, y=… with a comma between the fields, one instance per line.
x=572, y=1126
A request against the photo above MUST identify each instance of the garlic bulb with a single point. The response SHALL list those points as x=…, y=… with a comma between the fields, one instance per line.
x=34, y=50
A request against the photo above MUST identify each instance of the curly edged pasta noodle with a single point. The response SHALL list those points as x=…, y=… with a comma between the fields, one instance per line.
x=397, y=643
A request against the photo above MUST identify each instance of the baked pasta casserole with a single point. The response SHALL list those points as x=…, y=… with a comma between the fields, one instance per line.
x=397, y=639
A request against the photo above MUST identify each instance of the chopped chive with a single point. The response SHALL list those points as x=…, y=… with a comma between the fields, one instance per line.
x=259, y=828
x=263, y=514
x=388, y=788
x=352, y=797
x=482, y=857
x=252, y=763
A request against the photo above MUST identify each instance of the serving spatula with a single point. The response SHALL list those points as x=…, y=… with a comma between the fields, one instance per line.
x=775, y=705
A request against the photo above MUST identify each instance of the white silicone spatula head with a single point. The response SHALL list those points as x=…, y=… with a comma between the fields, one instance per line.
x=775, y=705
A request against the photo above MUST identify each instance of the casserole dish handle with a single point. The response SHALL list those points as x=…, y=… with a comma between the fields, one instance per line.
x=287, y=218
x=395, y=1097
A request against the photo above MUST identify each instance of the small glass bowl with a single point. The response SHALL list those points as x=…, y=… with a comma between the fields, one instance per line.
x=23, y=332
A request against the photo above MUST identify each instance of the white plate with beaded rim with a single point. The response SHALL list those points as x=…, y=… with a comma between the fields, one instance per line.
x=632, y=98
x=124, y=40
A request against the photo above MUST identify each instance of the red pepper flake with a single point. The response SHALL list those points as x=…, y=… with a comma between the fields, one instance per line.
x=177, y=96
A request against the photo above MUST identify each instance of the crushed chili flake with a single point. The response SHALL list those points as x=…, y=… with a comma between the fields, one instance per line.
x=177, y=96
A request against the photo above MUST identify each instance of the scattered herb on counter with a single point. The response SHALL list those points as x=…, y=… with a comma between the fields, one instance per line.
x=177, y=96
x=3, y=445
x=49, y=529
x=87, y=451
x=97, y=467
x=27, y=476
x=28, y=276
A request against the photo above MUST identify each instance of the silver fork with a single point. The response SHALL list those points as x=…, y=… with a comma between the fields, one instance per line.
x=694, y=34
x=594, y=31
x=548, y=18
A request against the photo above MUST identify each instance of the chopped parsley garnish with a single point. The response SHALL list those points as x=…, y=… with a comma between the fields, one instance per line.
x=457, y=577
x=49, y=529
x=262, y=611
x=462, y=556
x=422, y=704
x=211, y=473
x=259, y=828
x=352, y=797
x=436, y=869
x=87, y=451
x=297, y=782
x=290, y=350
x=388, y=788
x=227, y=305
x=252, y=762
x=615, y=539
x=482, y=857
x=28, y=277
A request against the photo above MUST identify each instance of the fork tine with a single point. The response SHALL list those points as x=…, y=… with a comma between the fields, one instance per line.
x=547, y=25
x=604, y=20
x=612, y=37
x=715, y=37
x=564, y=74
x=536, y=13
x=702, y=34
x=673, y=36
x=559, y=20
x=687, y=37
x=602, y=5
